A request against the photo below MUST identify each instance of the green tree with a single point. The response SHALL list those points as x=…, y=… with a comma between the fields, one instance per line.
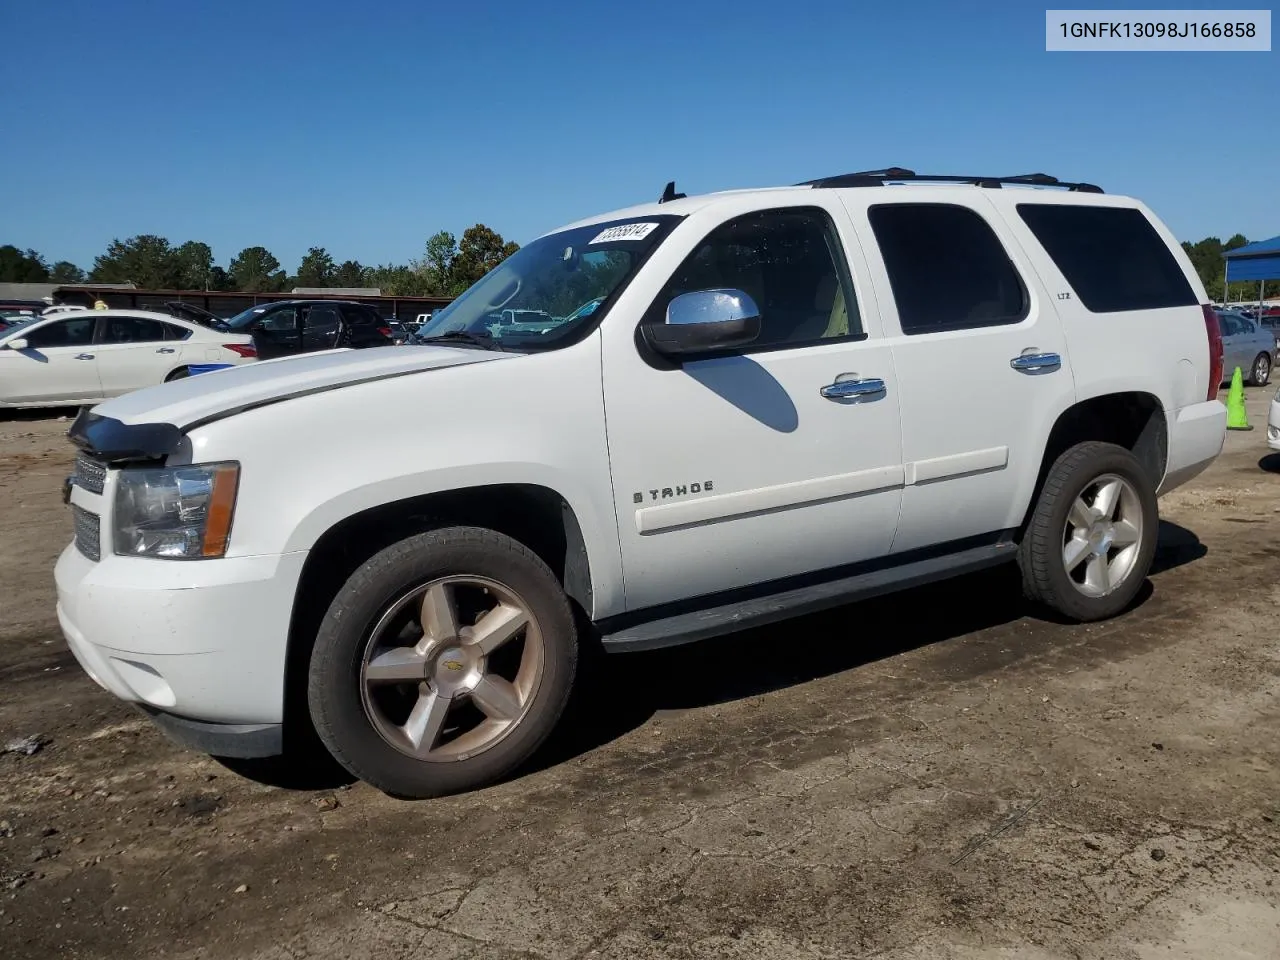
x=350, y=274
x=255, y=270
x=19, y=267
x=316, y=269
x=219, y=279
x=145, y=260
x=64, y=271
x=436, y=265
x=397, y=280
x=194, y=263
x=479, y=251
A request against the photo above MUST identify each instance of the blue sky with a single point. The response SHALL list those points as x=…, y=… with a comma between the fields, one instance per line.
x=365, y=127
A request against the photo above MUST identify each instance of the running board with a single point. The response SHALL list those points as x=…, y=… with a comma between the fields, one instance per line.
x=714, y=621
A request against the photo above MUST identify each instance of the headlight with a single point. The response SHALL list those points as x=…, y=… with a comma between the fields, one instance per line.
x=180, y=513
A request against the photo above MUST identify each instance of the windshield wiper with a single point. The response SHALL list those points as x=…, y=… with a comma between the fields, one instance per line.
x=483, y=340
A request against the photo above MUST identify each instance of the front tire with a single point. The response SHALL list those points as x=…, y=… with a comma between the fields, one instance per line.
x=443, y=663
x=1261, y=372
x=1089, y=544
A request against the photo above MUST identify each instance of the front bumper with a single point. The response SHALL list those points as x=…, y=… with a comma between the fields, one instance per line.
x=1273, y=424
x=200, y=644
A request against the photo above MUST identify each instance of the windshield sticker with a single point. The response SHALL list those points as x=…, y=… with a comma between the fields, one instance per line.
x=625, y=231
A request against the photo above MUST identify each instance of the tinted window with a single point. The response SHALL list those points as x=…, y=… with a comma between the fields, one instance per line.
x=174, y=332
x=280, y=321
x=358, y=316
x=322, y=320
x=947, y=268
x=789, y=262
x=63, y=333
x=132, y=330
x=1112, y=256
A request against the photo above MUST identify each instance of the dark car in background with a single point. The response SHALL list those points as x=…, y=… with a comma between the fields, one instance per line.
x=305, y=326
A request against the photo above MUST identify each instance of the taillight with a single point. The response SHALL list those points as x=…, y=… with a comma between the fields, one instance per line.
x=242, y=349
x=385, y=331
x=1212, y=328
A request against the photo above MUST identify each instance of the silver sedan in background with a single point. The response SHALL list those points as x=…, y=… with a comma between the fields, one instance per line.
x=1247, y=345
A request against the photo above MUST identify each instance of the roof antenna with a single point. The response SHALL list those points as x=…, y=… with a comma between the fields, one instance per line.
x=670, y=194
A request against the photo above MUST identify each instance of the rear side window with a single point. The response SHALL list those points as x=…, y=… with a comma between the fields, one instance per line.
x=947, y=268
x=1112, y=256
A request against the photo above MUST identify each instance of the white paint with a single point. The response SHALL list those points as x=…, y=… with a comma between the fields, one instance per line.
x=93, y=372
x=799, y=483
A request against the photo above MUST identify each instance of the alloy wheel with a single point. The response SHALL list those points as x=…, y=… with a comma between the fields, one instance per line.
x=451, y=668
x=1103, y=535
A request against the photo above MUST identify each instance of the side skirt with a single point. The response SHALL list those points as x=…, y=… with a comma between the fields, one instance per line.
x=726, y=613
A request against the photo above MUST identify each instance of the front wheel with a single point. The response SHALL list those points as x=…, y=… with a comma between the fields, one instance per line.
x=1261, y=372
x=1090, y=541
x=443, y=663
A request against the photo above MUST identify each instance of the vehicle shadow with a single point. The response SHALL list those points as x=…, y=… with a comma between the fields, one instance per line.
x=1270, y=463
x=621, y=692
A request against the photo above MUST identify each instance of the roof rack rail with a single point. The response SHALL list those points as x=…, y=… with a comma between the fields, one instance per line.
x=878, y=178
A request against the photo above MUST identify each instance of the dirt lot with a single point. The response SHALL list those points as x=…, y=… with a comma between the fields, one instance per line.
x=937, y=774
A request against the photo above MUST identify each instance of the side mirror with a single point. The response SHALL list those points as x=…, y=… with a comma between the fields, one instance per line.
x=18, y=343
x=704, y=321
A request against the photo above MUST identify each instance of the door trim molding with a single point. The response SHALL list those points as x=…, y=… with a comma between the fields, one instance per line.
x=785, y=496
x=782, y=496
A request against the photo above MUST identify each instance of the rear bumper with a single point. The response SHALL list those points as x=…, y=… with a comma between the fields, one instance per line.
x=1196, y=435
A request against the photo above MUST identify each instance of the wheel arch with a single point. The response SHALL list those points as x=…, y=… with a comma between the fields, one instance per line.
x=537, y=516
x=1135, y=420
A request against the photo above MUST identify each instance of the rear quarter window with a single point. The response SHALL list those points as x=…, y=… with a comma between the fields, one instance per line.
x=1112, y=257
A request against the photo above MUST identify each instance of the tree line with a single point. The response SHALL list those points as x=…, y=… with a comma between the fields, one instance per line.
x=447, y=267
x=1206, y=257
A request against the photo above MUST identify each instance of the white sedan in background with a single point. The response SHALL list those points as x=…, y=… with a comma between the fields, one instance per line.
x=86, y=357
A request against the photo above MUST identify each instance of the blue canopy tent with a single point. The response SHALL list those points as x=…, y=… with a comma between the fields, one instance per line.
x=1255, y=261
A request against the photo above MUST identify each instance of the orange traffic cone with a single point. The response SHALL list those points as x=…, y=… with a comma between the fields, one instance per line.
x=1237, y=416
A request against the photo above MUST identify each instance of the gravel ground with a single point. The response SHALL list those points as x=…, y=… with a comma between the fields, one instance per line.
x=937, y=774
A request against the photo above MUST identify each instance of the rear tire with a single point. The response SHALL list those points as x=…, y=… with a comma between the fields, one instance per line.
x=1089, y=544
x=180, y=374
x=443, y=663
x=1260, y=375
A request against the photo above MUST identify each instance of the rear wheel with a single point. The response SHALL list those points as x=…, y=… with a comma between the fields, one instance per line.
x=180, y=374
x=1090, y=540
x=443, y=663
x=1261, y=372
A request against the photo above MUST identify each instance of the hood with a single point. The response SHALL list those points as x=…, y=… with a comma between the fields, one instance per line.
x=211, y=396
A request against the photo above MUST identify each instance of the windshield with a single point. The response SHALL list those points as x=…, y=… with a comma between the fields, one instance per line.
x=11, y=324
x=537, y=297
x=244, y=318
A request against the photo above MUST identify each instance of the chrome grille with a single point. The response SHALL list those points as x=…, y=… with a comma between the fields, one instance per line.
x=90, y=474
x=88, y=532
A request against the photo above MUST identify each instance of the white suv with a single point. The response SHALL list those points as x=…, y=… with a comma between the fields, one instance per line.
x=782, y=400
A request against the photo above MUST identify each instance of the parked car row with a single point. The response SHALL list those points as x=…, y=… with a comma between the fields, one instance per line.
x=88, y=356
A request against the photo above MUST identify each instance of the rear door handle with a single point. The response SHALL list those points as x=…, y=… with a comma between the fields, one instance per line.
x=848, y=389
x=165, y=350
x=84, y=356
x=1030, y=362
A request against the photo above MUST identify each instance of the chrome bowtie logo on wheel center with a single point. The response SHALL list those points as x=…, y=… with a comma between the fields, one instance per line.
x=451, y=668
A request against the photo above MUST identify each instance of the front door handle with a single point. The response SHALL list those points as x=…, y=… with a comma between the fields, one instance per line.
x=849, y=389
x=1031, y=362
x=165, y=350
x=84, y=356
